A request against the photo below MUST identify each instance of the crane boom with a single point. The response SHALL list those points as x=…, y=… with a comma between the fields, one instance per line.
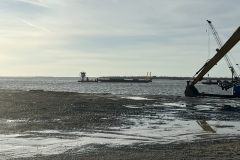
x=232, y=41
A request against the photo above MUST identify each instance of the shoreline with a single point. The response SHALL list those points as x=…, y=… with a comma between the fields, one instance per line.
x=32, y=113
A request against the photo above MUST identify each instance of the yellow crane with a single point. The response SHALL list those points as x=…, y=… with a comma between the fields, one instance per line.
x=191, y=90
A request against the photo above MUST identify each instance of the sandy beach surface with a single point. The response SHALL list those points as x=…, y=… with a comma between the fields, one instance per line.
x=64, y=125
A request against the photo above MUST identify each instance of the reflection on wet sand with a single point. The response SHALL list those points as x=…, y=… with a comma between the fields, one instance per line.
x=205, y=126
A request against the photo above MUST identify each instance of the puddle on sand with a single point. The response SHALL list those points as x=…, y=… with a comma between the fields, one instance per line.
x=159, y=124
x=155, y=124
x=204, y=107
x=29, y=145
x=180, y=104
x=15, y=146
x=132, y=106
x=137, y=98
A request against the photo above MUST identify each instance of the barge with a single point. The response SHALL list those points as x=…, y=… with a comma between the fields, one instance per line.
x=122, y=80
x=116, y=79
x=127, y=80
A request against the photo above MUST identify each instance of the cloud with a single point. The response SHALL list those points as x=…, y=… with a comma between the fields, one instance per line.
x=35, y=2
x=37, y=26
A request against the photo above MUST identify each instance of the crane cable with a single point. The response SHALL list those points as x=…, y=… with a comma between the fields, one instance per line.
x=208, y=46
x=234, y=61
x=208, y=43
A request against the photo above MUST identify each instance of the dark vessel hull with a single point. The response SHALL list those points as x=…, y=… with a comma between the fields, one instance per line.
x=87, y=81
x=210, y=83
x=125, y=81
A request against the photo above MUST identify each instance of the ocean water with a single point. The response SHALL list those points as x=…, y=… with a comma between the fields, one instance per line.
x=70, y=84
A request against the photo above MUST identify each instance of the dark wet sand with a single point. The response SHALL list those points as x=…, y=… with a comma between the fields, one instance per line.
x=99, y=111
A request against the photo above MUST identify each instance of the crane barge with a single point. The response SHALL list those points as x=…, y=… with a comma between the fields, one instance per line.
x=191, y=90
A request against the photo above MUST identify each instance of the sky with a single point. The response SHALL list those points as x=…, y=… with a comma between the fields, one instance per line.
x=61, y=38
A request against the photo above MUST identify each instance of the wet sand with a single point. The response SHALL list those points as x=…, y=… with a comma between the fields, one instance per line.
x=64, y=111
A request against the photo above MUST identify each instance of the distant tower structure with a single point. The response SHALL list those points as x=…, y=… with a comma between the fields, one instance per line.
x=83, y=76
x=148, y=77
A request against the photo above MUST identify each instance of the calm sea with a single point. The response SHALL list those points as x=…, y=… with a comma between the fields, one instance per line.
x=70, y=84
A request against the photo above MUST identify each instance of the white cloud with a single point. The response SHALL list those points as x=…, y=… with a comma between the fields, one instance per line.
x=35, y=2
x=36, y=26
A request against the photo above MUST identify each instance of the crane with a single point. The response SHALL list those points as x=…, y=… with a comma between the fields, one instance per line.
x=191, y=90
x=219, y=42
x=235, y=79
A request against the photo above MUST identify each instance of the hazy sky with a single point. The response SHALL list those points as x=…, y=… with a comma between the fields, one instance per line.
x=113, y=37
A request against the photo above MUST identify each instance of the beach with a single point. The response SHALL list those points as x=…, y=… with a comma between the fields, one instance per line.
x=67, y=125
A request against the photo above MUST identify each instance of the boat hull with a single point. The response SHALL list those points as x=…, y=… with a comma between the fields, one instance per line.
x=210, y=83
x=87, y=81
x=125, y=81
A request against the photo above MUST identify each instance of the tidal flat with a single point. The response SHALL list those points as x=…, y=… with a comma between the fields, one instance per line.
x=41, y=124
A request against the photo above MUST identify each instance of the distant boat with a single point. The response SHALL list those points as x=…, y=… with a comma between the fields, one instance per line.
x=86, y=79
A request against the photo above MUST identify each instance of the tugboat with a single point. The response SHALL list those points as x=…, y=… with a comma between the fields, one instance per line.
x=86, y=79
